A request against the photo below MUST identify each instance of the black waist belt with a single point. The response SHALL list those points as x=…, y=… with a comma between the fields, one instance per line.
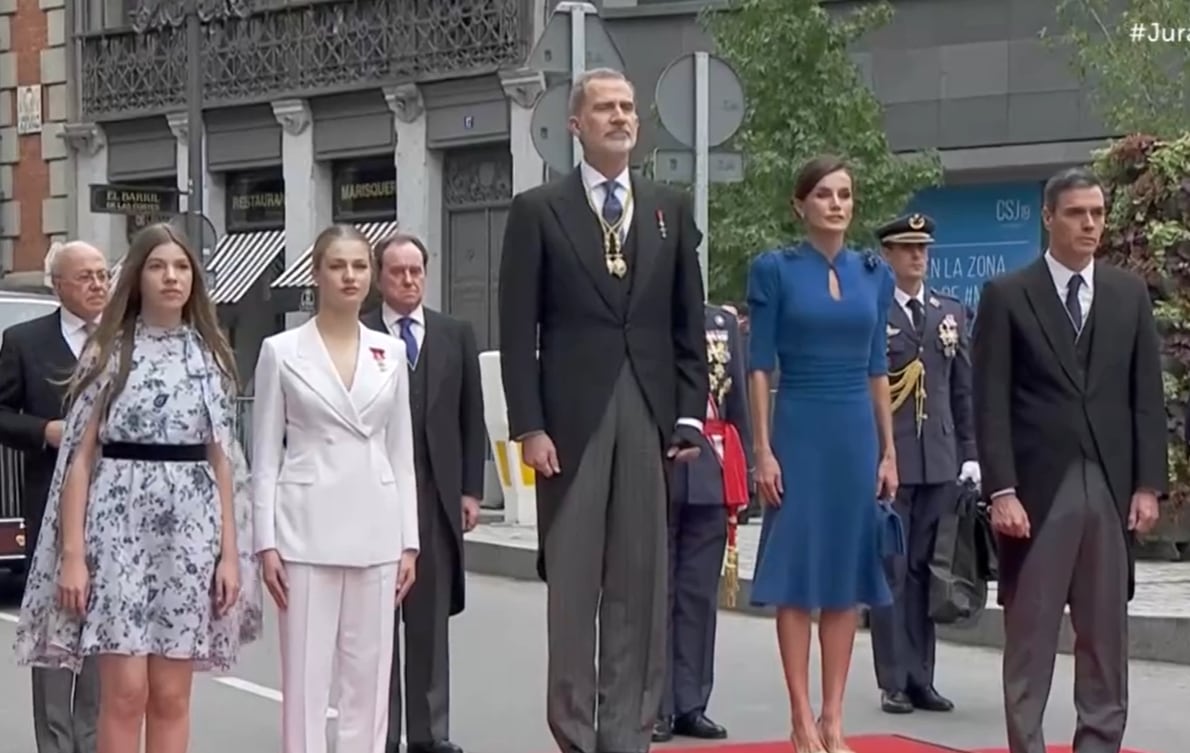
x=165, y=453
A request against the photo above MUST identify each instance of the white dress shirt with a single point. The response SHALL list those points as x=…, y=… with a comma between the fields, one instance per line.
x=904, y=298
x=392, y=321
x=594, y=182
x=74, y=330
x=1062, y=275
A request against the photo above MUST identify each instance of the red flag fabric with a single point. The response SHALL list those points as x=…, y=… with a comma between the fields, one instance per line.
x=725, y=438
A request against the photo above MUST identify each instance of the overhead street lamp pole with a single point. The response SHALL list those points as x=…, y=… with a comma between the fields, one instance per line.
x=158, y=15
x=194, y=128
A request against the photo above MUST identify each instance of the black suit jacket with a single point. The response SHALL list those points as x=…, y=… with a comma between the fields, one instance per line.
x=1030, y=402
x=456, y=436
x=35, y=361
x=556, y=296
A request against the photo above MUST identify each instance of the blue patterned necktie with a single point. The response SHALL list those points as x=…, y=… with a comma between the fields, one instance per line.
x=612, y=208
x=410, y=341
x=1073, y=307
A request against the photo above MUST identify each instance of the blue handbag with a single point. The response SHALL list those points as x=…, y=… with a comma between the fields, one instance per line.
x=890, y=530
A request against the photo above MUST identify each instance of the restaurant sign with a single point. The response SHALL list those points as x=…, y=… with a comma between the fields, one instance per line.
x=134, y=200
x=255, y=201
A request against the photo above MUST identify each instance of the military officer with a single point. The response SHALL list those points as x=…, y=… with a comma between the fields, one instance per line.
x=930, y=380
x=698, y=536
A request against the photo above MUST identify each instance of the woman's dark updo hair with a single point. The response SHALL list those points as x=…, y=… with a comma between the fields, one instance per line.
x=814, y=171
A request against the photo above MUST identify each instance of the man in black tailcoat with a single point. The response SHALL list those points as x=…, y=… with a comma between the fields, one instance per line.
x=603, y=362
x=1070, y=420
x=36, y=359
x=449, y=439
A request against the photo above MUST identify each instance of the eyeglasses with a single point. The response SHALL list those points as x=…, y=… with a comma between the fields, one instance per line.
x=89, y=278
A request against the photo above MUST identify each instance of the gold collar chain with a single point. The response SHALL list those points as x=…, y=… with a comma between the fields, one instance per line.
x=613, y=252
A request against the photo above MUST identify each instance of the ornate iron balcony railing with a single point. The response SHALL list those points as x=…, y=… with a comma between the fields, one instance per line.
x=302, y=49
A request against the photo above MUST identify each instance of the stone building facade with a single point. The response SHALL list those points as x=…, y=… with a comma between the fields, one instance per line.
x=35, y=182
x=370, y=112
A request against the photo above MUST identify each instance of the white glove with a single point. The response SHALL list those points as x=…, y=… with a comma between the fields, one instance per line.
x=970, y=472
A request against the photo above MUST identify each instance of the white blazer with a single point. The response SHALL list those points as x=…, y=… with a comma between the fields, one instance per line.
x=333, y=475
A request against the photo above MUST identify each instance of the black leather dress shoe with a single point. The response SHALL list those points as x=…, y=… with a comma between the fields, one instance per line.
x=438, y=746
x=663, y=729
x=698, y=726
x=895, y=703
x=928, y=699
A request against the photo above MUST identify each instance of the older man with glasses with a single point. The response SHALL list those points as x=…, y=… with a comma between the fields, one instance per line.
x=35, y=359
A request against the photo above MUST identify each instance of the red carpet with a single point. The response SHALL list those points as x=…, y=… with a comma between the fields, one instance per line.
x=861, y=744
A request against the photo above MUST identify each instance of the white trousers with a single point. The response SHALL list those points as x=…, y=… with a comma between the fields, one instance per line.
x=338, y=618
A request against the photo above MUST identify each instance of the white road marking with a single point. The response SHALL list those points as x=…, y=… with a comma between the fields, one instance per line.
x=245, y=686
x=261, y=691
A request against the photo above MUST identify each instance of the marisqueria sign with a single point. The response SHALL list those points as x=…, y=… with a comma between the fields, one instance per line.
x=365, y=190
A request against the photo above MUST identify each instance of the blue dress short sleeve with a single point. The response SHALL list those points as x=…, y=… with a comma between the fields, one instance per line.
x=764, y=304
x=878, y=359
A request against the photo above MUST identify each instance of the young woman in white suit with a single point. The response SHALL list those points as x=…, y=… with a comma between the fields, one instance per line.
x=335, y=503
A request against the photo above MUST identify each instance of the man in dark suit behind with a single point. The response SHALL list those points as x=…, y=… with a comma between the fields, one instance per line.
x=600, y=270
x=449, y=439
x=36, y=357
x=698, y=538
x=1070, y=424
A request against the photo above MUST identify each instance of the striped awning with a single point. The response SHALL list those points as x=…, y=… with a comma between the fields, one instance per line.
x=301, y=273
x=239, y=261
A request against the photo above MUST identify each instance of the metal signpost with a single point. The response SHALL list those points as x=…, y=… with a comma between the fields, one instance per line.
x=193, y=14
x=575, y=40
x=700, y=101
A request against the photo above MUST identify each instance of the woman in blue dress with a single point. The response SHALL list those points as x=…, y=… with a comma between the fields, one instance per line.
x=819, y=318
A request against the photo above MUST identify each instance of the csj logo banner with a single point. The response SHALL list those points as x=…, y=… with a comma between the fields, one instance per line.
x=982, y=232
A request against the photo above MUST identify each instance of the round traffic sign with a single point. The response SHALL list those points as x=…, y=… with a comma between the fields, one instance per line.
x=675, y=100
x=551, y=136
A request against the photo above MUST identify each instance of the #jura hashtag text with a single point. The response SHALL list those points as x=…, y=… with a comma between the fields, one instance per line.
x=1158, y=32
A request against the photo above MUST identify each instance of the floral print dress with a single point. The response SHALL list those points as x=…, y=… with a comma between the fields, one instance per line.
x=153, y=528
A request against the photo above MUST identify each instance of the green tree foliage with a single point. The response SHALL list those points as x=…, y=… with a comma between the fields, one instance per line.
x=805, y=97
x=1148, y=231
x=1134, y=59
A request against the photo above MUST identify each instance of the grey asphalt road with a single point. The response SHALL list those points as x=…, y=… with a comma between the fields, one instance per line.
x=498, y=648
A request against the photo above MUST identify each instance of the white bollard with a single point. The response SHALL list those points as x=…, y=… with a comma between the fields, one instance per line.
x=517, y=480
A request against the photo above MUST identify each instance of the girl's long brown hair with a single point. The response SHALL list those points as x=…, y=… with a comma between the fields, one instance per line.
x=117, y=324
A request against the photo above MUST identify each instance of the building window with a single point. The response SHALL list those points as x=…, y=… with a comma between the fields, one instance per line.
x=365, y=190
x=105, y=15
x=255, y=201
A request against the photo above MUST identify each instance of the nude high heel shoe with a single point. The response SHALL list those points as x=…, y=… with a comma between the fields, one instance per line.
x=832, y=746
x=810, y=748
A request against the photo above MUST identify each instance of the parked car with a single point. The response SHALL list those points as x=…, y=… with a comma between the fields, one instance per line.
x=16, y=307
